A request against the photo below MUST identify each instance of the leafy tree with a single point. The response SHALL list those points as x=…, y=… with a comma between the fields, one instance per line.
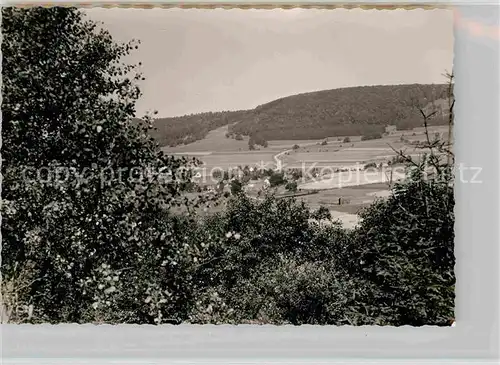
x=408, y=256
x=291, y=186
x=257, y=139
x=296, y=174
x=236, y=187
x=405, y=244
x=68, y=104
x=272, y=266
x=269, y=172
x=217, y=174
x=276, y=179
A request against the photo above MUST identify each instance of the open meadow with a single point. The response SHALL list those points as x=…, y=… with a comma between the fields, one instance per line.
x=218, y=151
x=357, y=188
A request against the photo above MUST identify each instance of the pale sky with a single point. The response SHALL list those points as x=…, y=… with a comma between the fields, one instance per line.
x=211, y=60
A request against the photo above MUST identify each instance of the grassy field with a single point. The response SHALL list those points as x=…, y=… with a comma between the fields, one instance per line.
x=215, y=141
x=353, y=199
x=356, y=197
x=337, y=153
x=356, y=189
x=218, y=151
x=347, y=179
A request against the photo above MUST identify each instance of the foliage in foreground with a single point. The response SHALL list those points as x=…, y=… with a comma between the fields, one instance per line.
x=73, y=199
x=77, y=250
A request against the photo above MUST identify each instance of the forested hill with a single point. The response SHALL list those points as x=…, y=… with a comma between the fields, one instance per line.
x=360, y=110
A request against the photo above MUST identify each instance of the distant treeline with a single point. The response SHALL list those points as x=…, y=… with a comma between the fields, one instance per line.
x=364, y=110
x=190, y=128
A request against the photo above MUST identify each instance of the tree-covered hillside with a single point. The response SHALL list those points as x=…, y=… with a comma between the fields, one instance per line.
x=190, y=128
x=362, y=110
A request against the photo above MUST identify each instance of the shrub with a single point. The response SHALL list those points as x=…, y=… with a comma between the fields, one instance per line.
x=371, y=136
x=321, y=213
x=276, y=179
x=236, y=187
x=217, y=174
x=407, y=254
x=398, y=160
x=271, y=266
x=296, y=174
x=291, y=186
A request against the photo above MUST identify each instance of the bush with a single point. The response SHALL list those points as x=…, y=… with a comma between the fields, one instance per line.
x=346, y=140
x=236, y=187
x=397, y=160
x=407, y=254
x=291, y=186
x=270, y=266
x=277, y=179
x=296, y=174
x=255, y=139
x=321, y=213
x=290, y=292
x=371, y=136
x=217, y=174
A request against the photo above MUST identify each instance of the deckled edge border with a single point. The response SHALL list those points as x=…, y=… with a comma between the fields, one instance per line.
x=248, y=6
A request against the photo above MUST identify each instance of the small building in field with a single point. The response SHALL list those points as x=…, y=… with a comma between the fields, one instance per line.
x=390, y=129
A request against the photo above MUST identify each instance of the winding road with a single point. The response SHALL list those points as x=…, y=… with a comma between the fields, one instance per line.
x=279, y=163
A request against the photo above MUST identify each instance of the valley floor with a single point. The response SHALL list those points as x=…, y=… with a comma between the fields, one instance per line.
x=357, y=188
